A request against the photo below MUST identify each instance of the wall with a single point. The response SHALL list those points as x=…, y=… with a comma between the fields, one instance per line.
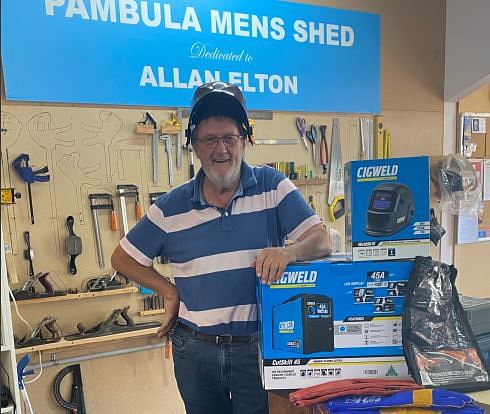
x=467, y=47
x=98, y=145
x=471, y=260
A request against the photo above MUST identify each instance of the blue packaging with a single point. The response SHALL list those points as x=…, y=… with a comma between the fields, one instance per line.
x=332, y=319
x=387, y=204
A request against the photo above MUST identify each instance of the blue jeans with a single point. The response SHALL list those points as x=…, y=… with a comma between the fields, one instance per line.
x=218, y=379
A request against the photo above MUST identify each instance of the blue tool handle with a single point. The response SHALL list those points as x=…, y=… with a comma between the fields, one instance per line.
x=21, y=372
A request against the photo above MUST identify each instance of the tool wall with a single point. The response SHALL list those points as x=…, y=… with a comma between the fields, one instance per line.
x=92, y=157
x=92, y=150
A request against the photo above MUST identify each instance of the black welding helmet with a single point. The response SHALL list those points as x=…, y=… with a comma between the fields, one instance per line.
x=390, y=209
x=218, y=99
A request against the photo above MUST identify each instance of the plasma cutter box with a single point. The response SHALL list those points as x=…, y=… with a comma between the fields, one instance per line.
x=332, y=319
x=387, y=210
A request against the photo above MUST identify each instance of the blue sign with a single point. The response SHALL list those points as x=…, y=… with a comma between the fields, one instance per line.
x=284, y=56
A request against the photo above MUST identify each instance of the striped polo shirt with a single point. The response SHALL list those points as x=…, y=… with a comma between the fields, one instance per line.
x=211, y=249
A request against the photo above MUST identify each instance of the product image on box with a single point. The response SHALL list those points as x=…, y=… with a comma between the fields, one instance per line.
x=387, y=209
x=332, y=319
x=303, y=324
x=390, y=209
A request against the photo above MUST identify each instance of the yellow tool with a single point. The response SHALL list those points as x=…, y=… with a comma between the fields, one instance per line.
x=386, y=144
x=9, y=195
x=173, y=121
x=378, y=136
x=311, y=203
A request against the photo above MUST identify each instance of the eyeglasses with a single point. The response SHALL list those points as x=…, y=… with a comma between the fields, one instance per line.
x=229, y=140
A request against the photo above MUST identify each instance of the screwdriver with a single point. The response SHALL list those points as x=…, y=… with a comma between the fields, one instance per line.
x=139, y=208
x=113, y=217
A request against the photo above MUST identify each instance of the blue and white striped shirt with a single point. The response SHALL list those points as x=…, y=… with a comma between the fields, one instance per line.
x=211, y=249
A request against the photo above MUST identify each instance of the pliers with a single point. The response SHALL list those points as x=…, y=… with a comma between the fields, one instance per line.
x=324, y=149
x=311, y=135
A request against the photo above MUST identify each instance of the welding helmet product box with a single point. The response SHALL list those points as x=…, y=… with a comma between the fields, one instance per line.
x=332, y=319
x=387, y=208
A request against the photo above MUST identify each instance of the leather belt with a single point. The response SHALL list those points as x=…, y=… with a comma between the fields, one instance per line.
x=216, y=339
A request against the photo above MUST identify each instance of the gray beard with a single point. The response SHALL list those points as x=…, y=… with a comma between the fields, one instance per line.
x=224, y=182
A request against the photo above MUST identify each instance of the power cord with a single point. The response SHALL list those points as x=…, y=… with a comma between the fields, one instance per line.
x=30, y=327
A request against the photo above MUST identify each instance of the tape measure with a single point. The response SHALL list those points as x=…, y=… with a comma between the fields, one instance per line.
x=9, y=195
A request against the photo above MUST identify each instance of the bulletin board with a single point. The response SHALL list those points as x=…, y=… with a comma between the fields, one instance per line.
x=475, y=145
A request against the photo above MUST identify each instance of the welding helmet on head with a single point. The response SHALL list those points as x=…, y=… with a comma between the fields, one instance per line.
x=218, y=99
x=459, y=184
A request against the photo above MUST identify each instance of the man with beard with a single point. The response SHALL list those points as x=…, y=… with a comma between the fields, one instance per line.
x=220, y=231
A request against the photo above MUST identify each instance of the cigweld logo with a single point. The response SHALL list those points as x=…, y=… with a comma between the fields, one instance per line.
x=297, y=277
x=377, y=171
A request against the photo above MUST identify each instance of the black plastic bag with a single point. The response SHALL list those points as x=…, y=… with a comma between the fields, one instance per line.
x=440, y=348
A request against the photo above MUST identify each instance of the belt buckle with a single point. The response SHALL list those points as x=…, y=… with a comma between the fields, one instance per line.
x=224, y=339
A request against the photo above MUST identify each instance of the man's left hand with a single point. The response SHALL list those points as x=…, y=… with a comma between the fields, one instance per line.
x=271, y=263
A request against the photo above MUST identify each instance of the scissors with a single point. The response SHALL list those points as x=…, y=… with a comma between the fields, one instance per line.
x=311, y=135
x=301, y=126
x=173, y=121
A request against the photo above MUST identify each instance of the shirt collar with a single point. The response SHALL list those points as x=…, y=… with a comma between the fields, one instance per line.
x=247, y=179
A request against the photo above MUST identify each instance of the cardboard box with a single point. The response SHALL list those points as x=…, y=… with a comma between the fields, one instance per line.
x=330, y=320
x=387, y=208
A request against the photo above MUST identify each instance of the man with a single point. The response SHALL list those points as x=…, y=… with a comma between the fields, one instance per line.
x=220, y=231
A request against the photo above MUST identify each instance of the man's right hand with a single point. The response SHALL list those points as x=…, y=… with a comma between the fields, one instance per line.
x=170, y=316
x=147, y=276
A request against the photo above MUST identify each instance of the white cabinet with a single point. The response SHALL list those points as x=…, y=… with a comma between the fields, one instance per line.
x=8, y=373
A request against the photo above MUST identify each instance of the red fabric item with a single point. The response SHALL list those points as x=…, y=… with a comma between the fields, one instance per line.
x=369, y=386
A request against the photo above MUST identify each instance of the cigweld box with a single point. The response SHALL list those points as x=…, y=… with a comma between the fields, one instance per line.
x=332, y=319
x=387, y=208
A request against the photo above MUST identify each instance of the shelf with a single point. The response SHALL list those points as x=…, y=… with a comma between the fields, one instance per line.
x=84, y=295
x=310, y=181
x=151, y=312
x=80, y=342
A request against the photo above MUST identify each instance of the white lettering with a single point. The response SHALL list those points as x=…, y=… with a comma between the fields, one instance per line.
x=191, y=20
x=277, y=26
x=260, y=26
x=249, y=82
x=194, y=79
x=128, y=12
x=148, y=77
x=49, y=6
x=246, y=84
x=169, y=24
x=235, y=77
x=377, y=171
x=177, y=82
x=161, y=79
x=300, y=34
x=318, y=32
x=291, y=85
x=275, y=84
x=157, y=14
x=346, y=36
x=333, y=34
x=219, y=25
x=77, y=7
x=241, y=23
x=102, y=12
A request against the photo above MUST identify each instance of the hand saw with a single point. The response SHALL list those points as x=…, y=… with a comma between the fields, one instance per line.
x=335, y=200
